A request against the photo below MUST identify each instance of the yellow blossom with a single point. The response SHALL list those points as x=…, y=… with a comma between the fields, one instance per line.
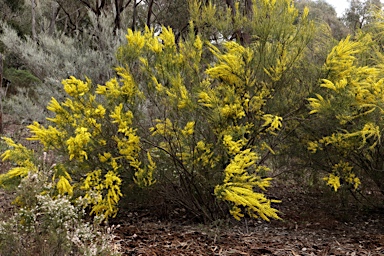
x=135, y=39
x=333, y=181
x=63, y=186
x=75, y=87
x=188, y=129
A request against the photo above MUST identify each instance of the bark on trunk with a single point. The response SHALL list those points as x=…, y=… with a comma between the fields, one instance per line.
x=119, y=6
x=2, y=94
x=33, y=22
x=134, y=16
x=149, y=14
x=55, y=8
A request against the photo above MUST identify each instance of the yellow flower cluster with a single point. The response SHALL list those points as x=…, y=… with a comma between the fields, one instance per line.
x=239, y=186
x=204, y=155
x=342, y=171
x=90, y=131
x=353, y=97
x=233, y=147
x=333, y=181
x=21, y=157
x=63, y=185
x=144, y=177
x=95, y=186
x=77, y=145
x=75, y=88
x=124, y=89
x=272, y=122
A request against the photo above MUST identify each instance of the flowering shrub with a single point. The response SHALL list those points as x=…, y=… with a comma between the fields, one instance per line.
x=351, y=104
x=96, y=145
x=204, y=120
x=191, y=115
x=93, y=130
x=54, y=227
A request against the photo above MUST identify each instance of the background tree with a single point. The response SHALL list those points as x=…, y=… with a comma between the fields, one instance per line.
x=360, y=13
x=321, y=11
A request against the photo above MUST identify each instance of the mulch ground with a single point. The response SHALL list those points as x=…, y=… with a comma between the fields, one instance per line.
x=313, y=224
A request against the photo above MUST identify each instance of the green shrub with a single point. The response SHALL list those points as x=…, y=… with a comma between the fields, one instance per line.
x=21, y=78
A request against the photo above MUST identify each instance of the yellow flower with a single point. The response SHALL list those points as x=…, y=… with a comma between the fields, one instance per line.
x=63, y=186
x=75, y=87
x=105, y=157
x=236, y=213
x=76, y=145
x=274, y=122
x=167, y=37
x=333, y=181
x=313, y=146
x=205, y=99
x=198, y=44
x=55, y=106
x=135, y=39
x=233, y=147
x=188, y=129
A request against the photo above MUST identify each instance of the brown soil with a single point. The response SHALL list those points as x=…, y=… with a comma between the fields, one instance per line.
x=311, y=225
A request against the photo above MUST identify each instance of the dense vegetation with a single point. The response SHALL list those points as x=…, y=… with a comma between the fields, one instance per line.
x=195, y=105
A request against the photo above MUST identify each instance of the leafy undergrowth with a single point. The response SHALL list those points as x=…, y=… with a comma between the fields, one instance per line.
x=315, y=222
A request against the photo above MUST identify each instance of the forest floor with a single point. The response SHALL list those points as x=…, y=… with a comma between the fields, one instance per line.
x=315, y=221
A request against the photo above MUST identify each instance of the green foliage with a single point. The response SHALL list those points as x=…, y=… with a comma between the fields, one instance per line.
x=286, y=50
x=21, y=78
x=322, y=12
x=16, y=15
x=14, y=5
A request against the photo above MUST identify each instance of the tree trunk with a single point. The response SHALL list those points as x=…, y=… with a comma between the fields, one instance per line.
x=134, y=16
x=242, y=36
x=118, y=7
x=33, y=22
x=150, y=5
x=2, y=94
x=231, y=5
x=55, y=8
x=246, y=36
x=249, y=8
x=97, y=8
